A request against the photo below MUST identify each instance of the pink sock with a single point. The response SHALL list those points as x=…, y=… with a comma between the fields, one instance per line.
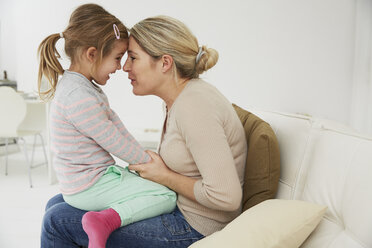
x=99, y=226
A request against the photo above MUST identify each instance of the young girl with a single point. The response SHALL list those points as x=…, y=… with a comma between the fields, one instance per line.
x=84, y=130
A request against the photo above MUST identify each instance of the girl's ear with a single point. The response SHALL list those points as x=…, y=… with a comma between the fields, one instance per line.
x=167, y=62
x=91, y=54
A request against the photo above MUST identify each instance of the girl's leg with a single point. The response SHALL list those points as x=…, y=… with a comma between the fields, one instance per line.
x=146, y=199
x=99, y=226
x=128, y=197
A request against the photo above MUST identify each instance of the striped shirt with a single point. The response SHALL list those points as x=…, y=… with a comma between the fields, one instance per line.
x=85, y=131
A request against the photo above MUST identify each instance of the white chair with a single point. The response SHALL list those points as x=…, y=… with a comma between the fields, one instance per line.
x=13, y=109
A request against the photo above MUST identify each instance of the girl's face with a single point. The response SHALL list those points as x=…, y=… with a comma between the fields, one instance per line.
x=142, y=69
x=111, y=62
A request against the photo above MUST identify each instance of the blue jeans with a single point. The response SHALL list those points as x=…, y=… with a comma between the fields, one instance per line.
x=62, y=227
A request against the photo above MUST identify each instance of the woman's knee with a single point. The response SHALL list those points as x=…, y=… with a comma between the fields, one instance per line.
x=51, y=216
x=48, y=227
x=62, y=223
x=53, y=201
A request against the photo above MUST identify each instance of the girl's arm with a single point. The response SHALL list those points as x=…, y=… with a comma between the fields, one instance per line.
x=91, y=117
x=120, y=126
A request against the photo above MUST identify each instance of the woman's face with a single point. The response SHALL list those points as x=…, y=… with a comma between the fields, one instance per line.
x=142, y=69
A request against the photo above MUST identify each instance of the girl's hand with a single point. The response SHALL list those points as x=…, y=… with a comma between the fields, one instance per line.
x=155, y=170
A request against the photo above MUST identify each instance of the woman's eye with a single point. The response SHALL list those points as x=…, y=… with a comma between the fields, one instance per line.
x=132, y=58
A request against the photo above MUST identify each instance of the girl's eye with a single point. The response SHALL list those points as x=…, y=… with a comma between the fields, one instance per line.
x=132, y=58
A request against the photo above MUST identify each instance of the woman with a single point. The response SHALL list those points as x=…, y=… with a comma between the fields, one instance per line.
x=202, y=150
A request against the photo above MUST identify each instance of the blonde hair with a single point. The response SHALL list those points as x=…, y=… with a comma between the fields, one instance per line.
x=162, y=35
x=90, y=25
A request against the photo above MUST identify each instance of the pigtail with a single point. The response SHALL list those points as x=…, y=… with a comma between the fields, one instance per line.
x=49, y=66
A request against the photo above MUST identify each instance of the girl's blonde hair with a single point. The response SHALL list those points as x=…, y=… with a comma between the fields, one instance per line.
x=162, y=35
x=90, y=25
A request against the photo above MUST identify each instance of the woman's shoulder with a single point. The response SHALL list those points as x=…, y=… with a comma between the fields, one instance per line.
x=200, y=91
x=202, y=97
x=200, y=85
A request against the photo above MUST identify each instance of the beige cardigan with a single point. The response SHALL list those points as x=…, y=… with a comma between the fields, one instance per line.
x=204, y=139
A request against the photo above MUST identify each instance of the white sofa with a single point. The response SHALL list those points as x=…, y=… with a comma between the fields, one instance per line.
x=326, y=163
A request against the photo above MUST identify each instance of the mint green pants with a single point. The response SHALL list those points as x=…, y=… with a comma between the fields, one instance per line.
x=131, y=196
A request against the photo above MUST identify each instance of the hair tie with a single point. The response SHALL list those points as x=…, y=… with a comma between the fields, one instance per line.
x=116, y=31
x=200, y=54
x=61, y=35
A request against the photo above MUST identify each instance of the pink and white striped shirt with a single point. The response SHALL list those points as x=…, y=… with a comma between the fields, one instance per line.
x=85, y=131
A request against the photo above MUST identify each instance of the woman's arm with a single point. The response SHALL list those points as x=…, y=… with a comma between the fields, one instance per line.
x=158, y=172
x=203, y=124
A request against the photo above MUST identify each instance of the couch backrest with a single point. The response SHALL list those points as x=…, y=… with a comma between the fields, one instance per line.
x=326, y=163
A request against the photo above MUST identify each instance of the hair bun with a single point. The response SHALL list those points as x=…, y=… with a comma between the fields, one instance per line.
x=208, y=59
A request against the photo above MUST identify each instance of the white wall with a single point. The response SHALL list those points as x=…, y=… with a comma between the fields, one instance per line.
x=285, y=55
x=361, y=103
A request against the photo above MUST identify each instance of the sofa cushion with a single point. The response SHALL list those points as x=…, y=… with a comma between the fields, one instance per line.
x=263, y=160
x=338, y=174
x=272, y=223
x=328, y=164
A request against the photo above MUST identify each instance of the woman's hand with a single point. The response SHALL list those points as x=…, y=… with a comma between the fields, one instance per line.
x=155, y=170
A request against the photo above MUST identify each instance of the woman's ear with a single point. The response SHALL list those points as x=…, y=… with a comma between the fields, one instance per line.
x=167, y=62
x=91, y=54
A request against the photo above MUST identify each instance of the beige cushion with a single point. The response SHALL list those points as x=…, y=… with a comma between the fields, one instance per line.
x=272, y=223
x=262, y=169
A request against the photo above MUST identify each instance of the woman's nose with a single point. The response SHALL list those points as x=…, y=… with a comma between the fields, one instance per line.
x=126, y=66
